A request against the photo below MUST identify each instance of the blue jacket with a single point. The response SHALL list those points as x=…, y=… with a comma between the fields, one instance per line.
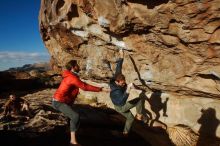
x=118, y=94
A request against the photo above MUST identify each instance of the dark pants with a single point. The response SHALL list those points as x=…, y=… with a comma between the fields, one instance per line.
x=69, y=112
x=125, y=111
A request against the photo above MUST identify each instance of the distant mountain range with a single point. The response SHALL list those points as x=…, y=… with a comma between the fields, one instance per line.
x=43, y=66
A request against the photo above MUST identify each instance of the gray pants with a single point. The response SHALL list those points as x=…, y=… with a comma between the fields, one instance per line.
x=69, y=112
x=125, y=111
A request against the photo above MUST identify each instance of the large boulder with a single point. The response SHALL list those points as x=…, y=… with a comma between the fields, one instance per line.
x=171, y=46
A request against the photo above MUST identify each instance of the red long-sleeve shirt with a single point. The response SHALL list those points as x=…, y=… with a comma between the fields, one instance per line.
x=69, y=88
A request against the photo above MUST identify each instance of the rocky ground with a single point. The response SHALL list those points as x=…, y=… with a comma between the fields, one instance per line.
x=99, y=126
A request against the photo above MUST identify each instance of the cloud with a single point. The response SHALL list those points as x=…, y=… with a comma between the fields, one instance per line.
x=19, y=55
x=18, y=59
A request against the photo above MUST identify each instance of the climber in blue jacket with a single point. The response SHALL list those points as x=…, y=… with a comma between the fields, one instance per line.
x=119, y=94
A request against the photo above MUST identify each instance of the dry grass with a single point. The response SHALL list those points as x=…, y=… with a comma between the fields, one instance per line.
x=182, y=135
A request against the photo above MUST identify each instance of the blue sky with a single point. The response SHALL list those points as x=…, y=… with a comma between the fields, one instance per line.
x=20, y=40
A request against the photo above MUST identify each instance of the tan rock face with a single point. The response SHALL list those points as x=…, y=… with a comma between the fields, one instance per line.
x=171, y=46
x=167, y=41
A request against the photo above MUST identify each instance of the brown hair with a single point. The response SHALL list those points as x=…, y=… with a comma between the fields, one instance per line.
x=70, y=64
x=119, y=77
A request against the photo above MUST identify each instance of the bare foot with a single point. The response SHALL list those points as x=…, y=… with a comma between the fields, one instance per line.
x=71, y=144
x=125, y=134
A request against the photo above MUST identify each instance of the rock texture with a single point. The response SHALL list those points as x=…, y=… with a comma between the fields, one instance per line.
x=172, y=46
